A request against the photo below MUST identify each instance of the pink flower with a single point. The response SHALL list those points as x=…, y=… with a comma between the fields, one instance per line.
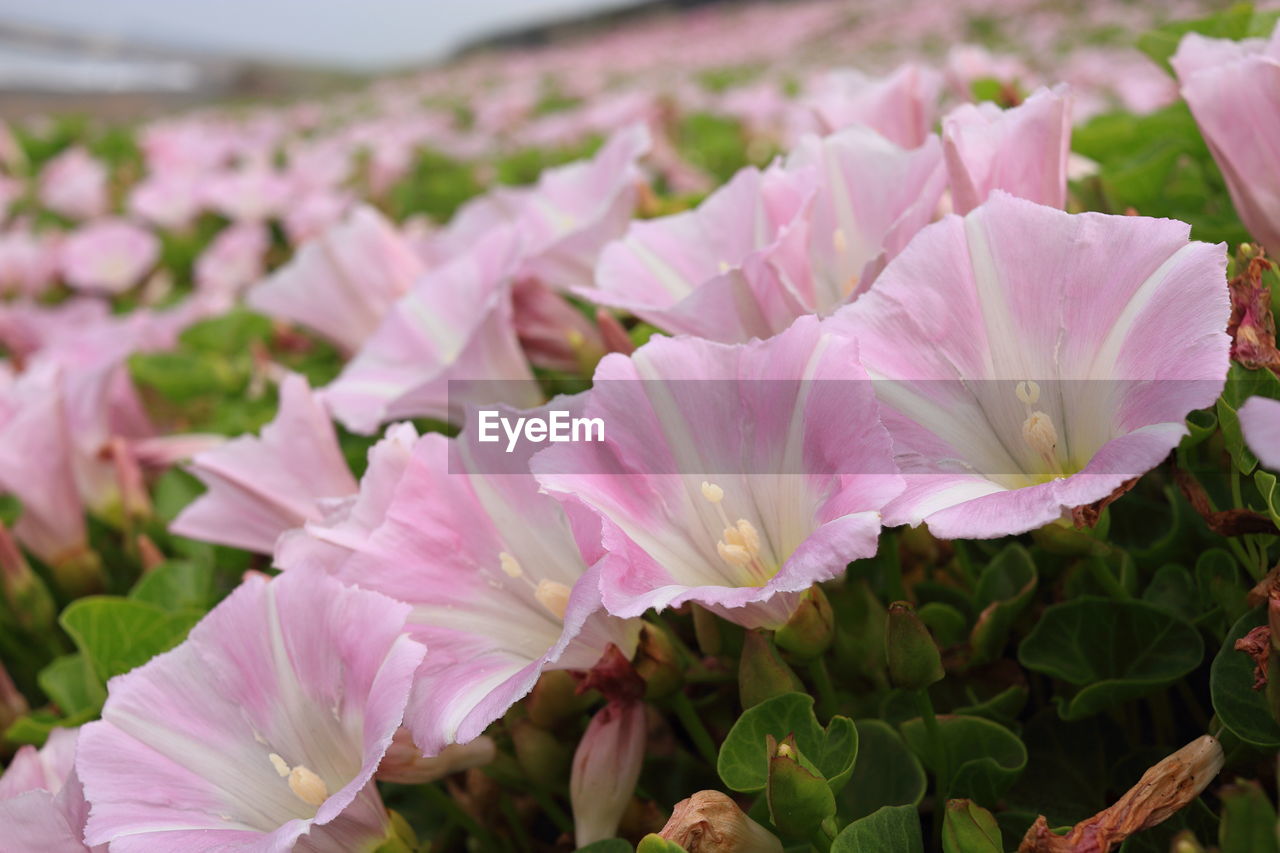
x=1022, y=151
x=263, y=730
x=233, y=260
x=249, y=194
x=317, y=212
x=74, y=185
x=42, y=805
x=499, y=590
x=259, y=487
x=732, y=476
x=606, y=767
x=108, y=255
x=1233, y=89
x=169, y=200
x=1029, y=362
x=448, y=342
x=342, y=284
x=901, y=106
x=1260, y=420
x=28, y=261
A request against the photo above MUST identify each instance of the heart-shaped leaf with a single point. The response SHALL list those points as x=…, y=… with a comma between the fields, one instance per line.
x=984, y=757
x=116, y=634
x=177, y=585
x=1112, y=650
x=1242, y=709
x=1004, y=589
x=885, y=774
x=72, y=684
x=744, y=761
x=891, y=829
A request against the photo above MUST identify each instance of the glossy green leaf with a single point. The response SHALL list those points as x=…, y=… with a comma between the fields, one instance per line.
x=1234, y=23
x=1004, y=590
x=1248, y=820
x=1113, y=651
x=116, y=634
x=609, y=845
x=744, y=761
x=969, y=828
x=891, y=829
x=177, y=585
x=984, y=757
x=886, y=773
x=1242, y=709
x=72, y=684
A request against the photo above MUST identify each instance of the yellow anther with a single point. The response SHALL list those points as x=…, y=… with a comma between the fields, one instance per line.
x=307, y=786
x=1040, y=435
x=554, y=596
x=838, y=241
x=279, y=764
x=712, y=492
x=1028, y=392
x=733, y=554
x=510, y=565
x=749, y=535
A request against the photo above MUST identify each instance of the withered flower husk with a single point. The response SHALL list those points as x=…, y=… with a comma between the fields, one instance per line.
x=711, y=822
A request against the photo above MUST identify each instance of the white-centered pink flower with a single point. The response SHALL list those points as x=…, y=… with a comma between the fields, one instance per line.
x=74, y=185
x=901, y=106
x=1260, y=420
x=259, y=487
x=448, y=342
x=29, y=260
x=261, y=732
x=108, y=256
x=233, y=260
x=42, y=805
x=732, y=476
x=342, y=284
x=1023, y=150
x=249, y=194
x=169, y=200
x=499, y=589
x=1030, y=361
x=1233, y=89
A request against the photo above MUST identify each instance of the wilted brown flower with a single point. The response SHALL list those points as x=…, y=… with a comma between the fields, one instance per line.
x=710, y=822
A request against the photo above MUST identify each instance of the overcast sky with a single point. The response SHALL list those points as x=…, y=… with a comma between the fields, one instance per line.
x=359, y=34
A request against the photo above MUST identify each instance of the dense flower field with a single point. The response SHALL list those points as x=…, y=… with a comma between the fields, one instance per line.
x=672, y=438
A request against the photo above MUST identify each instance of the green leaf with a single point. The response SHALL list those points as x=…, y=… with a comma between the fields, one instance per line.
x=1218, y=582
x=654, y=843
x=177, y=585
x=1004, y=590
x=891, y=829
x=1243, y=383
x=744, y=760
x=1248, y=820
x=885, y=774
x=1266, y=483
x=1240, y=708
x=985, y=758
x=969, y=828
x=1172, y=589
x=229, y=334
x=73, y=685
x=116, y=634
x=1161, y=43
x=1112, y=650
x=608, y=845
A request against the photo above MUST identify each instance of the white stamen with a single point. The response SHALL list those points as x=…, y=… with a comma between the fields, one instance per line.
x=1041, y=436
x=510, y=565
x=712, y=492
x=554, y=596
x=735, y=555
x=750, y=536
x=724, y=267
x=279, y=764
x=1028, y=392
x=307, y=786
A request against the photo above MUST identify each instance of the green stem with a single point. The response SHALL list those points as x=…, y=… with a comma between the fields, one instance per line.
x=941, y=761
x=1102, y=573
x=458, y=815
x=825, y=835
x=692, y=723
x=826, y=690
x=558, y=816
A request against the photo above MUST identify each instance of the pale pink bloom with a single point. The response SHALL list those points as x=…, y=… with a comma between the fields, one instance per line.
x=249, y=194
x=902, y=106
x=74, y=185
x=490, y=565
x=732, y=269
x=1233, y=89
x=343, y=283
x=314, y=214
x=169, y=200
x=261, y=732
x=42, y=805
x=968, y=63
x=29, y=260
x=259, y=487
x=233, y=260
x=448, y=342
x=1260, y=420
x=1023, y=151
x=606, y=767
x=554, y=333
x=566, y=218
x=732, y=476
x=873, y=196
x=108, y=255
x=1029, y=361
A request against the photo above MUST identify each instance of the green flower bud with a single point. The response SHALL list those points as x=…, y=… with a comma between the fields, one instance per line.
x=799, y=797
x=859, y=644
x=555, y=699
x=28, y=599
x=706, y=628
x=807, y=634
x=762, y=673
x=657, y=663
x=969, y=828
x=910, y=652
x=542, y=756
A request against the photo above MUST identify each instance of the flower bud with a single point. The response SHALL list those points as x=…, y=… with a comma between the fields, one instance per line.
x=710, y=822
x=28, y=598
x=554, y=699
x=859, y=644
x=12, y=703
x=807, y=634
x=542, y=756
x=404, y=763
x=706, y=629
x=656, y=662
x=605, y=770
x=910, y=652
x=969, y=828
x=799, y=797
x=762, y=673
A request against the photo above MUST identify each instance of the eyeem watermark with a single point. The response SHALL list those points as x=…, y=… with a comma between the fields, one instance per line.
x=557, y=426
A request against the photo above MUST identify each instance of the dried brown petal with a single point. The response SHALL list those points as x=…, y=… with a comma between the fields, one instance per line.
x=1257, y=645
x=710, y=822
